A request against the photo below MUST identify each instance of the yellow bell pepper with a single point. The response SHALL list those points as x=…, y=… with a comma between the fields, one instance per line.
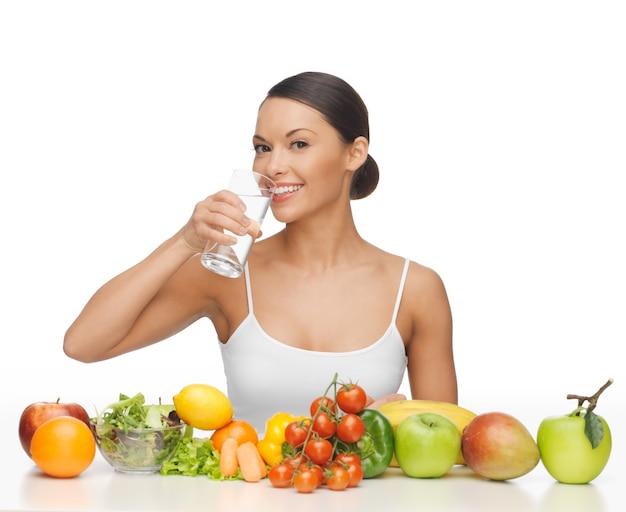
x=271, y=446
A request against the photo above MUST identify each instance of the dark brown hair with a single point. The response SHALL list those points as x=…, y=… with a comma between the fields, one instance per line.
x=343, y=109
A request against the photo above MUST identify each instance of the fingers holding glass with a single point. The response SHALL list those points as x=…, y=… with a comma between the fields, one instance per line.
x=227, y=258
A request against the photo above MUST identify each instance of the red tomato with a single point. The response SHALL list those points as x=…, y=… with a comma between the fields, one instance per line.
x=325, y=403
x=280, y=475
x=295, y=433
x=291, y=461
x=352, y=463
x=319, y=451
x=350, y=428
x=337, y=478
x=348, y=458
x=351, y=398
x=316, y=468
x=355, y=471
x=305, y=481
x=324, y=425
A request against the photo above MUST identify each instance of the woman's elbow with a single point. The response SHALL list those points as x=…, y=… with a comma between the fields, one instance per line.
x=74, y=349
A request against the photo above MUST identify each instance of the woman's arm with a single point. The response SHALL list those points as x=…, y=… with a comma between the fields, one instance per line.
x=102, y=329
x=431, y=369
x=158, y=296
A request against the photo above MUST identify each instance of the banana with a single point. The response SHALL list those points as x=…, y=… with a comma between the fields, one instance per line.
x=400, y=409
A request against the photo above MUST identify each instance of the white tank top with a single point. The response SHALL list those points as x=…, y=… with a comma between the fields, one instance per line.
x=265, y=376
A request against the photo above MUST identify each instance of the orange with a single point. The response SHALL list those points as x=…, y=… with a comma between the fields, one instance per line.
x=240, y=430
x=63, y=447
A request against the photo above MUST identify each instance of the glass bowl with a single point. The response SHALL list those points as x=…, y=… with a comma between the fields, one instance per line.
x=137, y=450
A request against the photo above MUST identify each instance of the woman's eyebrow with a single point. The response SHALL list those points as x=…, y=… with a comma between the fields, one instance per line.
x=288, y=134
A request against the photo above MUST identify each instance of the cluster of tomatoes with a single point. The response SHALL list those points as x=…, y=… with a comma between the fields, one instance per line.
x=319, y=450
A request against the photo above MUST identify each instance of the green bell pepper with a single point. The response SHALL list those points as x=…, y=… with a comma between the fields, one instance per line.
x=376, y=445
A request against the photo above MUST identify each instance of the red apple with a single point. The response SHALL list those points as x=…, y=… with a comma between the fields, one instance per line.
x=497, y=446
x=39, y=412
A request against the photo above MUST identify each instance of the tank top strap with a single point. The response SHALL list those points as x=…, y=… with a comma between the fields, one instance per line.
x=248, y=288
x=396, y=307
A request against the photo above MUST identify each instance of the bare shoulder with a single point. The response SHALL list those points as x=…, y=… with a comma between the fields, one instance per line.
x=425, y=308
x=420, y=278
x=424, y=278
x=425, y=292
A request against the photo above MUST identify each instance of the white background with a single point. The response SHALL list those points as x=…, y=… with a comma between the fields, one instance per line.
x=499, y=129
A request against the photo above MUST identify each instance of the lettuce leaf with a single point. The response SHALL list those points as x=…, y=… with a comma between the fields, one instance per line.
x=196, y=456
x=127, y=412
x=132, y=412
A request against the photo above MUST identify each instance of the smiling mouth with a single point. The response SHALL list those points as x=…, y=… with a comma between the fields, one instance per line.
x=286, y=189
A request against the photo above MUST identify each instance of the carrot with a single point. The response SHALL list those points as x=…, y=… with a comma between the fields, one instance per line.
x=251, y=463
x=228, y=457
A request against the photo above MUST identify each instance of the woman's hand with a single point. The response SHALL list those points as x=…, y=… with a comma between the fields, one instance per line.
x=220, y=212
x=375, y=404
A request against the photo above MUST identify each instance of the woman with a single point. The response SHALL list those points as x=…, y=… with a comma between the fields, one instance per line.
x=315, y=299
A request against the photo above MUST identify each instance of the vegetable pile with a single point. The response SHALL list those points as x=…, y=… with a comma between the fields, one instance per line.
x=337, y=446
x=341, y=443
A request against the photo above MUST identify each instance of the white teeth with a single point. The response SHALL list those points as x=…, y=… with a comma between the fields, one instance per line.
x=287, y=189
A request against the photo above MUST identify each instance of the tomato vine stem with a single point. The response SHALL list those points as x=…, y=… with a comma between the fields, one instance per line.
x=310, y=429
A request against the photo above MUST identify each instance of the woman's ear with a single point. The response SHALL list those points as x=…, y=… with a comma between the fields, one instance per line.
x=358, y=153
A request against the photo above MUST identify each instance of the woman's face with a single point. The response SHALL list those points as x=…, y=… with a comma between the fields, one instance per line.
x=304, y=155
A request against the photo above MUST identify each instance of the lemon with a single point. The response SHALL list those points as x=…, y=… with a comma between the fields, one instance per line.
x=204, y=407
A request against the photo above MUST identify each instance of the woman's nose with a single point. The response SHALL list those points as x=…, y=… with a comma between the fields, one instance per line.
x=277, y=165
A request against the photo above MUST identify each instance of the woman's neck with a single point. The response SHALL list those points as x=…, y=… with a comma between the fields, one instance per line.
x=318, y=246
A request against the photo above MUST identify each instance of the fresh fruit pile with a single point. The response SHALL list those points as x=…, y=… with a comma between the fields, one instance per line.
x=341, y=443
x=37, y=413
x=57, y=437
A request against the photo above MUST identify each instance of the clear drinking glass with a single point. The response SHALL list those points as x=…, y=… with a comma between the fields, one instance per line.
x=255, y=190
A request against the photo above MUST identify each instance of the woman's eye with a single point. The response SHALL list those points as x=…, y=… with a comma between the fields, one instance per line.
x=261, y=148
x=299, y=144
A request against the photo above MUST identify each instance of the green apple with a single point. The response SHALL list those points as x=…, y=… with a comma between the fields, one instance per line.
x=567, y=453
x=576, y=447
x=498, y=446
x=426, y=445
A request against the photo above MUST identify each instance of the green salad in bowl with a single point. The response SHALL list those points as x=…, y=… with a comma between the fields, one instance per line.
x=137, y=438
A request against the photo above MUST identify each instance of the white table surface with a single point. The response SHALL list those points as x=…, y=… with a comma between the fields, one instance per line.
x=24, y=487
